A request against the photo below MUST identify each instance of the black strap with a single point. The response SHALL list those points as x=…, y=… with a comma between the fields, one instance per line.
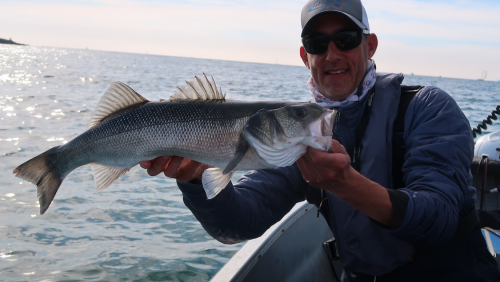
x=398, y=144
x=360, y=132
x=465, y=223
x=407, y=94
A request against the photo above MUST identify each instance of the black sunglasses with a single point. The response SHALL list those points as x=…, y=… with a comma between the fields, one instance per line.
x=344, y=41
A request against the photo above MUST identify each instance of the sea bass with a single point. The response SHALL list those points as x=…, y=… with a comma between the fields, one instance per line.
x=197, y=123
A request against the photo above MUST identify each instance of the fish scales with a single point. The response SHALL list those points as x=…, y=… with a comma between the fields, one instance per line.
x=228, y=135
x=167, y=128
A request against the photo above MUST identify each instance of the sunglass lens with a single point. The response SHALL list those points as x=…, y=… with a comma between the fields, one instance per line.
x=344, y=41
x=316, y=45
x=347, y=40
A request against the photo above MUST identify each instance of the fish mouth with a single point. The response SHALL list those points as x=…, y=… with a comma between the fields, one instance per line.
x=322, y=131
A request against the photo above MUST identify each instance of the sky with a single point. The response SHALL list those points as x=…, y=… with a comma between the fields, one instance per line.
x=449, y=38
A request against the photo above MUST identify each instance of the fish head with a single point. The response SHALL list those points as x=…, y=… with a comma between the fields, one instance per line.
x=288, y=131
x=308, y=124
x=321, y=131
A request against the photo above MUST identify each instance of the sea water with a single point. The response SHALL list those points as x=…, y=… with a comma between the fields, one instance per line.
x=138, y=229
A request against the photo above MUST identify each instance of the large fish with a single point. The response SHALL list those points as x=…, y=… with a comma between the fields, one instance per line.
x=197, y=122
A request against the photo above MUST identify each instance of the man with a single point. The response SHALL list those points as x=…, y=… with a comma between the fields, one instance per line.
x=425, y=230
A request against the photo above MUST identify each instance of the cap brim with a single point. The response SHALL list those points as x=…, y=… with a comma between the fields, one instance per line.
x=353, y=19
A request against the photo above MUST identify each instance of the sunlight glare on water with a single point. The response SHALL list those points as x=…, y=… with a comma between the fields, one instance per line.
x=138, y=229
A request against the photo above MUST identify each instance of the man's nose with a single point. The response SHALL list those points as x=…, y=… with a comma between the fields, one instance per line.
x=332, y=53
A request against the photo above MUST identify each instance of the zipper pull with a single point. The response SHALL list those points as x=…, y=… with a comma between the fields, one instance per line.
x=370, y=100
x=323, y=198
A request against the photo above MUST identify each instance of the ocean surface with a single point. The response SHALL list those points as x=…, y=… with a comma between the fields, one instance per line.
x=138, y=229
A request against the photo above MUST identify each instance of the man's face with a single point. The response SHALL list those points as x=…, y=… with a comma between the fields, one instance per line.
x=338, y=73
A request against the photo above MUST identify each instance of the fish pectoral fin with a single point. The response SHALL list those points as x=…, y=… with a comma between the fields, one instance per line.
x=214, y=180
x=106, y=175
x=119, y=96
x=241, y=150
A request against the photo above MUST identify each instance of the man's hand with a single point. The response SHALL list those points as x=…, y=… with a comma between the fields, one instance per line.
x=327, y=171
x=333, y=172
x=182, y=169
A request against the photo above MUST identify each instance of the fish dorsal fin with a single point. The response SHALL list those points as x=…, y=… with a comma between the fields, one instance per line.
x=118, y=97
x=199, y=89
x=105, y=175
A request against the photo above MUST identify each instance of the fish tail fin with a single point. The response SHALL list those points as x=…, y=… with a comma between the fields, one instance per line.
x=46, y=179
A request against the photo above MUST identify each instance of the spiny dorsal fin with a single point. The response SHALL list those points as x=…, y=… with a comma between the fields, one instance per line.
x=105, y=175
x=199, y=89
x=118, y=96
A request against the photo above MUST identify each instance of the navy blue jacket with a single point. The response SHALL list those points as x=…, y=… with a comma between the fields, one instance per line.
x=436, y=171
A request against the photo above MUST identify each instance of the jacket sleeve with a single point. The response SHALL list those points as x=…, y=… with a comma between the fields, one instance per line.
x=436, y=171
x=246, y=210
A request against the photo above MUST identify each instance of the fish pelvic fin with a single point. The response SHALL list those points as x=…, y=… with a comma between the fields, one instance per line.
x=199, y=89
x=214, y=181
x=39, y=173
x=118, y=97
x=105, y=175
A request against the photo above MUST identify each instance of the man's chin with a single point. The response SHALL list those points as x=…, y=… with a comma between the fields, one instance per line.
x=336, y=95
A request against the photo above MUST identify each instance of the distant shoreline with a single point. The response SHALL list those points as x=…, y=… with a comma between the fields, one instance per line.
x=5, y=41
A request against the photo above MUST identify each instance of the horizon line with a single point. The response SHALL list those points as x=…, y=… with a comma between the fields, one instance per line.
x=249, y=62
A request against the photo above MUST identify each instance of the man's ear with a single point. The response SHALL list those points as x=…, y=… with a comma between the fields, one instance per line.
x=303, y=55
x=372, y=41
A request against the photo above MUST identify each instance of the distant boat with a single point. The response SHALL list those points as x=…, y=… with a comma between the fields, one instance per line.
x=484, y=74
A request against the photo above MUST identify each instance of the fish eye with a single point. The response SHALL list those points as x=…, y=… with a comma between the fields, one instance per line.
x=300, y=112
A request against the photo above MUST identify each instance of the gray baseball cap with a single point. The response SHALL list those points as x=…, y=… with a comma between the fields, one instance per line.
x=353, y=9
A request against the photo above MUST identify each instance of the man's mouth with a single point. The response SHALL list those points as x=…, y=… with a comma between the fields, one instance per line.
x=336, y=71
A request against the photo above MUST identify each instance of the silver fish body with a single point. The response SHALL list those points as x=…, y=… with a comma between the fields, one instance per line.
x=229, y=135
x=205, y=132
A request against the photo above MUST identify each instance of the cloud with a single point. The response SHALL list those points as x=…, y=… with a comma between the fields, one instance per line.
x=424, y=37
x=465, y=22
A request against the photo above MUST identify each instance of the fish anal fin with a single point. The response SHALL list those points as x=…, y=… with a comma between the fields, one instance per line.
x=214, y=181
x=241, y=150
x=105, y=175
x=199, y=89
x=119, y=96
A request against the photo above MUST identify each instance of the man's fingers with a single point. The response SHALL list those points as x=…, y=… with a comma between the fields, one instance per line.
x=187, y=170
x=199, y=171
x=303, y=167
x=337, y=147
x=173, y=166
x=319, y=157
x=145, y=164
x=157, y=165
x=307, y=168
